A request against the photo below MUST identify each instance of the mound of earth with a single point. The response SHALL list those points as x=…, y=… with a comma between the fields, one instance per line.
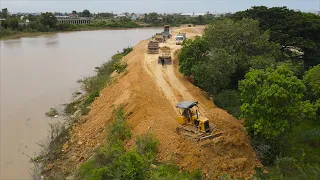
x=149, y=93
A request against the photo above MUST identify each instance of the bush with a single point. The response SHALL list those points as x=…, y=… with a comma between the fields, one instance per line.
x=120, y=66
x=52, y=112
x=118, y=129
x=91, y=98
x=311, y=137
x=170, y=171
x=230, y=101
x=147, y=145
x=127, y=50
x=70, y=108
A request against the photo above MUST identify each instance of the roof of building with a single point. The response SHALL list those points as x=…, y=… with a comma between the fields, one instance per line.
x=193, y=14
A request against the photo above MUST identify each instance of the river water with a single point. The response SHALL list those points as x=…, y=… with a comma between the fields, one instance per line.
x=39, y=73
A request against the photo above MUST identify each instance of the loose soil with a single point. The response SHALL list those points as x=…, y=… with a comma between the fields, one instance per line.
x=149, y=93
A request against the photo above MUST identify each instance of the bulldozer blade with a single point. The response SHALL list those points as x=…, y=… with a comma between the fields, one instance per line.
x=207, y=137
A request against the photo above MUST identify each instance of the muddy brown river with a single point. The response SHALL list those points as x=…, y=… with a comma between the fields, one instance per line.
x=39, y=73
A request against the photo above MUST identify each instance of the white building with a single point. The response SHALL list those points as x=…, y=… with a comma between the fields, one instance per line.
x=193, y=14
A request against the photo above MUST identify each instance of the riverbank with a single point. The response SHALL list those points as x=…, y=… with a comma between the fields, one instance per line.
x=19, y=34
x=148, y=93
x=75, y=113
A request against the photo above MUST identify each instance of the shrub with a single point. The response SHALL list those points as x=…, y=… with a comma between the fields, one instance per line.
x=118, y=129
x=230, y=101
x=91, y=97
x=52, y=112
x=311, y=137
x=147, y=145
x=70, y=108
x=120, y=66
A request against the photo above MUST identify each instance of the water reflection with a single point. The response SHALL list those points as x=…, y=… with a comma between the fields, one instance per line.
x=12, y=43
x=36, y=77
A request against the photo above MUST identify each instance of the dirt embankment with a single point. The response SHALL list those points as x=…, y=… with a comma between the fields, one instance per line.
x=149, y=93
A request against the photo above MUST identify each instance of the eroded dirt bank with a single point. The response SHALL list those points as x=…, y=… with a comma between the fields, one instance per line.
x=149, y=93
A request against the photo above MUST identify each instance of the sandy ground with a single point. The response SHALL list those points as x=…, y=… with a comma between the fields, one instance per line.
x=149, y=93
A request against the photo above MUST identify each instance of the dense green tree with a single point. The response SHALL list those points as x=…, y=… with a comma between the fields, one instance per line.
x=213, y=74
x=312, y=82
x=48, y=20
x=4, y=13
x=151, y=18
x=200, y=20
x=4, y=24
x=13, y=23
x=31, y=17
x=272, y=101
x=86, y=13
x=192, y=53
x=289, y=28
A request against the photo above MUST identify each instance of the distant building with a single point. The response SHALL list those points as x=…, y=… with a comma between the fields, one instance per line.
x=120, y=16
x=193, y=14
x=134, y=17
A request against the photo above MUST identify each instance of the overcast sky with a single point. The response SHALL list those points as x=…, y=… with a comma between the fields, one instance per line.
x=141, y=6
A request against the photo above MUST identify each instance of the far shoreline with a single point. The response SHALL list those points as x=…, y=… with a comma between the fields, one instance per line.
x=34, y=34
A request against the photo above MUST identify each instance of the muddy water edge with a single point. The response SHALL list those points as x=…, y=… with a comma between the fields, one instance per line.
x=39, y=73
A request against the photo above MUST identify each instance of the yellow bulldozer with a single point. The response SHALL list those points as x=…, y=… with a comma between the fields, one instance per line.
x=194, y=127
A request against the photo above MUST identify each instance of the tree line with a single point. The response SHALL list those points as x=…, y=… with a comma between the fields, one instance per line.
x=248, y=62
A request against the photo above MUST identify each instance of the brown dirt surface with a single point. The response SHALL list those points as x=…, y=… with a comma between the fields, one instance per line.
x=149, y=93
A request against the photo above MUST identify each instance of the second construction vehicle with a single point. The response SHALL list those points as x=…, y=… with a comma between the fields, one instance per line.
x=153, y=47
x=159, y=37
x=165, y=55
x=193, y=126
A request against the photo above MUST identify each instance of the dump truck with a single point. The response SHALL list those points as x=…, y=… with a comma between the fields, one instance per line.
x=159, y=37
x=153, y=47
x=193, y=126
x=180, y=38
x=166, y=32
x=165, y=55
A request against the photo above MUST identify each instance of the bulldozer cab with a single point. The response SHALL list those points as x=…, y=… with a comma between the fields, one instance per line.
x=189, y=114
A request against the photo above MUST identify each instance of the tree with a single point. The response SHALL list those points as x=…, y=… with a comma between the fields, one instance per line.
x=4, y=13
x=151, y=18
x=4, y=24
x=245, y=41
x=213, y=74
x=192, y=53
x=13, y=23
x=48, y=20
x=200, y=20
x=31, y=17
x=272, y=101
x=74, y=12
x=289, y=27
x=86, y=13
x=312, y=82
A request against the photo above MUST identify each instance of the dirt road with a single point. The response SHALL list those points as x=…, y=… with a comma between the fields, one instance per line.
x=150, y=93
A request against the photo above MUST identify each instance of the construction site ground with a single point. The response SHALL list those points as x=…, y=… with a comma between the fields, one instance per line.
x=149, y=93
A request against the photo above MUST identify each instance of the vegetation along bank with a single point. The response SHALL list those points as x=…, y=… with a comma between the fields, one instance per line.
x=262, y=66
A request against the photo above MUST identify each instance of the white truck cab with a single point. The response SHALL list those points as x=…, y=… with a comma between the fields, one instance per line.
x=180, y=38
